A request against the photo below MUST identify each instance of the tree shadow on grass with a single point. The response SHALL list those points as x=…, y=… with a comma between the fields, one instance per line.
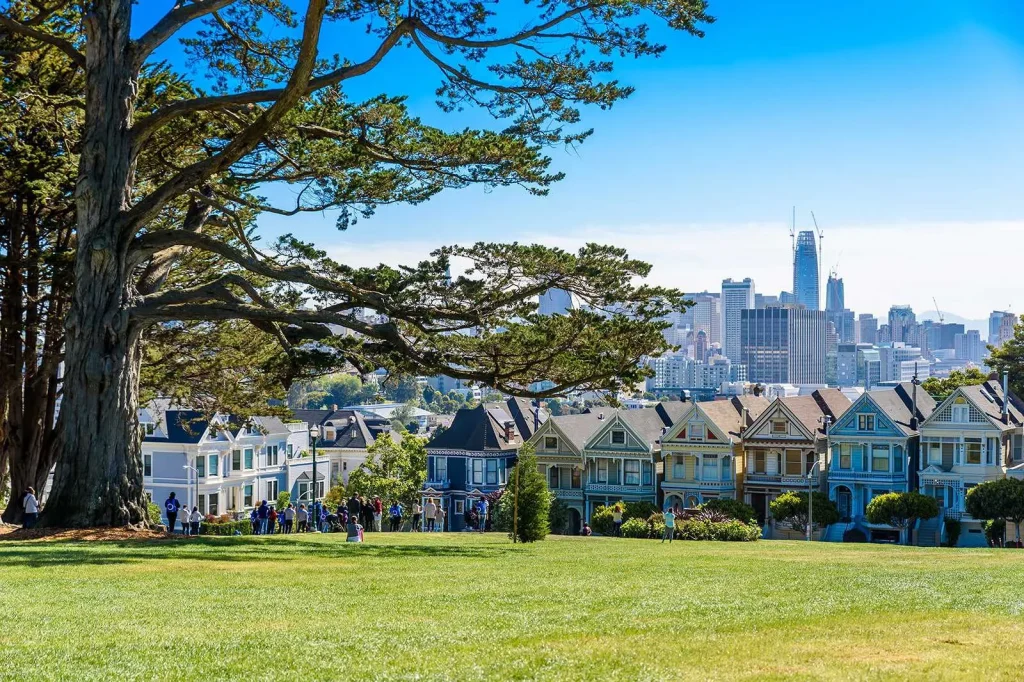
x=230, y=549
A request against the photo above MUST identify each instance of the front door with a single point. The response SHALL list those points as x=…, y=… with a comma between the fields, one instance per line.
x=844, y=500
x=575, y=522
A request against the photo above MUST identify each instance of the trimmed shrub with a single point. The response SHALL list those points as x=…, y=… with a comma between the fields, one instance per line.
x=601, y=520
x=243, y=527
x=153, y=510
x=558, y=517
x=636, y=528
x=727, y=531
x=952, y=531
x=994, y=532
x=734, y=509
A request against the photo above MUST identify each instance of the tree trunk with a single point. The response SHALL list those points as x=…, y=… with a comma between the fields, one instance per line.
x=98, y=481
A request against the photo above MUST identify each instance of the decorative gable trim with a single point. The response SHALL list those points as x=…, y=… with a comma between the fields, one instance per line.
x=600, y=439
x=768, y=416
x=550, y=428
x=678, y=430
x=943, y=414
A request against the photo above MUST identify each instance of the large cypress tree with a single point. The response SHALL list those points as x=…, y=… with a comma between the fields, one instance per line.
x=275, y=110
x=529, y=499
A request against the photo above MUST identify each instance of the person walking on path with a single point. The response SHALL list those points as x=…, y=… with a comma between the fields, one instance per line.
x=289, y=518
x=417, y=512
x=197, y=518
x=395, y=512
x=617, y=519
x=171, y=507
x=430, y=513
x=302, y=516
x=378, y=513
x=31, y=505
x=670, y=526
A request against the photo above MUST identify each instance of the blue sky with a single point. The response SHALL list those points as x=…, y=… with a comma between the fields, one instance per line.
x=900, y=125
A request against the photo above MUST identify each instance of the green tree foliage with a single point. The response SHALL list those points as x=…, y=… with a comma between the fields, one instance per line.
x=734, y=509
x=336, y=496
x=1009, y=357
x=173, y=171
x=1001, y=499
x=394, y=471
x=792, y=507
x=554, y=406
x=284, y=498
x=902, y=510
x=528, y=492
x=941, y=388
x=559, y=517
x=601, y=520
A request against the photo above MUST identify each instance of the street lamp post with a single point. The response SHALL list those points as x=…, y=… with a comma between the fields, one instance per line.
x=196, y=498
x=825, y=420
x=314, y=513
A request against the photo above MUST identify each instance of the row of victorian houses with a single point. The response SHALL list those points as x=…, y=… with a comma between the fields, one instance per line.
x=748, y=448
x=222, y=465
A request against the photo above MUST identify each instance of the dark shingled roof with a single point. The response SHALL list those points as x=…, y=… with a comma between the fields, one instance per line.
x=483, y=427
x=650, y=422
x=898, y=403
x=988, y=397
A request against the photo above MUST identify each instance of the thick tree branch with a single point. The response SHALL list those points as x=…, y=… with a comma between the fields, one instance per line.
x=77, y=58
x=246, y=140
x=171, y=23
x=149, y=124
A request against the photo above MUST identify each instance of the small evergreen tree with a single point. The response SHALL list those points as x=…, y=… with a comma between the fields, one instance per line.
x=534, y=498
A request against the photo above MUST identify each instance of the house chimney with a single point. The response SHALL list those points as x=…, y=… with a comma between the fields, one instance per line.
x=510, y=431
x=744, y=414
x=334, y=407
x=1006, y=397
x=600, y=416
x=536, y=416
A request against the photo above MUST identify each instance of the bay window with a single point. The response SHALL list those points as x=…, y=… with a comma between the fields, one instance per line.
x=632, y=472
x=880, y=458
x=972, y=450
x=492, y=472
x=794, y=463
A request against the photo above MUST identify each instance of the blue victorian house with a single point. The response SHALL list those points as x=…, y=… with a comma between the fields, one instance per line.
x=475, y=456
x=873, y=450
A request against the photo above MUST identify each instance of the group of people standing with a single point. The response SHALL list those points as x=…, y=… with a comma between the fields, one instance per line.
x=266, y=520
x=190, y=520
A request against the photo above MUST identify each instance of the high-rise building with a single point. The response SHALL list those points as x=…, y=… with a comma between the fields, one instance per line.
x=901, y=320
x=670, y=371
x=783, y=345
x=555, y=302
x=700, y=346
x=831, y=353
x=842, y=320
x=707, y=315
x=869, y=366
x=846, y=363
x=867, y=329
x=1000, y=327
x=942, y=335
x=895, y=358
x=968, y=346
x=736, y=296
x=805, y=271
x=835, y=296
x=765, y=300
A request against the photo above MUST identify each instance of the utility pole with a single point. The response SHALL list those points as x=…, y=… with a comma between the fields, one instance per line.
x=515, y=507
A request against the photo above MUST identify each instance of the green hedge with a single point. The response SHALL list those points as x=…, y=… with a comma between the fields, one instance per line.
x=243, y=527
x=724, y=531
x=635, y=528
x=601, y=520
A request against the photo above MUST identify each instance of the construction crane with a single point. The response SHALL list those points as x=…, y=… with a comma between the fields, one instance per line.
x=942, y=319
x=792, y=234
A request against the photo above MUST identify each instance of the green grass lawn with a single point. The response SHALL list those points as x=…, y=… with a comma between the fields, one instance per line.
x=475, y=607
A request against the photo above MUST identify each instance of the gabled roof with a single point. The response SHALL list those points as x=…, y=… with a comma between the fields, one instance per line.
x=312, y=417
x=897, y=404
x=988, y=397
x=727, y=415
x=477, y=429
x=650, y=423
x=526, y=415
x=576, y=428
x=182, y=426
x=807, y=410
x=270, y=425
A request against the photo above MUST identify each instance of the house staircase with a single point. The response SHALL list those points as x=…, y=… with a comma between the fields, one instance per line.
x=834, y=533
x=927, y=532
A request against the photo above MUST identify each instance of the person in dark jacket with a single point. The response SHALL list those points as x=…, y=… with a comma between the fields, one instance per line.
x=263, y=515
x=171, y=507
x=353, y=506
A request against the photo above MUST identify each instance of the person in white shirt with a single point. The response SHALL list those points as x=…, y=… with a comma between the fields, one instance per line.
x=31, y=507
x=196, y=519
x=289, y=518
x=302, y=516
x=429, y=512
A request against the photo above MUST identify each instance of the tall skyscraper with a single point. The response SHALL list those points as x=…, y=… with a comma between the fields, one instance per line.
x=555, y=302
x=700, y=346
x=867, y=328
x=736, y=296
x=835, y=295
x=783, y=345
x=805, y=271
x=902, y=320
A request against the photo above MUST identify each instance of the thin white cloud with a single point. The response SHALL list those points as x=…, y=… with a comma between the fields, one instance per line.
x=968, y=267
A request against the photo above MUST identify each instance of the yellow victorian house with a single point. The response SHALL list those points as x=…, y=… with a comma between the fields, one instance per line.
x=703, y=450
